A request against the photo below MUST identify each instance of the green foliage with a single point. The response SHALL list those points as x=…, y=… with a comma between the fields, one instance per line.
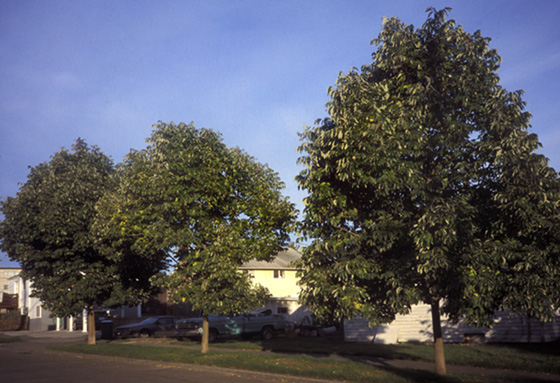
x=207, y=207
x=47, y=229
x=424, y=185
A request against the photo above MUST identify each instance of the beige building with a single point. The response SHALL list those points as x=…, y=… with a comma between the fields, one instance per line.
x=8, y=300
x=279, y=276
x=5, y=274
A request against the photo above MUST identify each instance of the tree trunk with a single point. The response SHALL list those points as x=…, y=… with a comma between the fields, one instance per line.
x=438, y=340
x=91, y=325
x=529, y=330
x=205, y=333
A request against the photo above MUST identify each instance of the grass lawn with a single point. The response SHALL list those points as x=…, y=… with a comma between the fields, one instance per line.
x=541, y=357
x=305, y=366
x=307, y=357
x=9, y=339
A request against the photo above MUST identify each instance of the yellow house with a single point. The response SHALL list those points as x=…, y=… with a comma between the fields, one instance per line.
x=279, y=276
x=5, y=274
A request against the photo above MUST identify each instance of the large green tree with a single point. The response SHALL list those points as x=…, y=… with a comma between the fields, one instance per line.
x=47, y=228
x=209, y=208
x=424, y=185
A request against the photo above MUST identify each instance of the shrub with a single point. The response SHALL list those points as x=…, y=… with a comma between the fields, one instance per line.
x=12, y=321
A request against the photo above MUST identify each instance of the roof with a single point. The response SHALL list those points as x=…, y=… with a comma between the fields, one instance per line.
x=282, y=260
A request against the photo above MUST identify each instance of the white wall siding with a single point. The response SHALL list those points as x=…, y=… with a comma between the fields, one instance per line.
x=417, y=327
x=358, y=330
x=510, y=328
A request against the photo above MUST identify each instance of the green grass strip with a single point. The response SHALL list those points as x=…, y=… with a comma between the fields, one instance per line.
x=9, y=339
x=320, y=366
x=541, y=357
x=295, y=365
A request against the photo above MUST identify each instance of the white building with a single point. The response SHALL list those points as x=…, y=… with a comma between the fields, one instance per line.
x=39, y=318
x=30, y=306
x=416, y=326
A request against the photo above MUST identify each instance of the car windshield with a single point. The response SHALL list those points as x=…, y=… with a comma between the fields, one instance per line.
x=150, y=320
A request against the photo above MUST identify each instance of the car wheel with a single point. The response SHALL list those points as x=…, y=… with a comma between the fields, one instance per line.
x=144, y=334
x=267, y=333
x=212, y=335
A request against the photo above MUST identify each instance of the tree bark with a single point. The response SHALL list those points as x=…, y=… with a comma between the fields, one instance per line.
x=205, y=333
x=438, y=339
x=91, y=325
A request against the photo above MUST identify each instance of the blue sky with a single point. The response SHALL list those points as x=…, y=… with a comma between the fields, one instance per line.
x=256, y=71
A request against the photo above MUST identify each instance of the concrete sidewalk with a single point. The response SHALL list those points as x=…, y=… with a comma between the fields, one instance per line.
x=76, y=335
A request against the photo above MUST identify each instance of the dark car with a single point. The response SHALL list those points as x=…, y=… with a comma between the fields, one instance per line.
x=100, y=316
x=188, y=328
x=262, y=323
x=152, y=326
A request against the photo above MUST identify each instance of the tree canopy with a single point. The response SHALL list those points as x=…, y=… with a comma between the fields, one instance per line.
x=47, y=228
x=425, y=185
x=209, y=208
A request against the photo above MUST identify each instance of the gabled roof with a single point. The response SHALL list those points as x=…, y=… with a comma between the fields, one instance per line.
x=282, y=260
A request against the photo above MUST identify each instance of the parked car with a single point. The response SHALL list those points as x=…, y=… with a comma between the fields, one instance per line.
x=152, y=326
x=100, y=316
x=262, y=323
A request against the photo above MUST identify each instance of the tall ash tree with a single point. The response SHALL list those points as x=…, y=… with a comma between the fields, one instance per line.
x=209, y=208
x=425, y=186
x=47, y=228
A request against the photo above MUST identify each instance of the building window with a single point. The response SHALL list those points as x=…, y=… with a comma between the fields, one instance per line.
x=279, y=274
x=6, y=287
x=282, y=310
x=38, y=311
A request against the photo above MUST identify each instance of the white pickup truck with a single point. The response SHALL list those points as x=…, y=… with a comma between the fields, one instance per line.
x=263, y=323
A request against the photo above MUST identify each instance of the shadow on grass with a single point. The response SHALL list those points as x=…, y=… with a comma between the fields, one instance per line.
x=381, y=356
x=355, y=368
x=9, y=339
x=474, y=376
x=545, y=349
x=329, y=347
x=410, y=374
x=540, y=358
x=374, y=355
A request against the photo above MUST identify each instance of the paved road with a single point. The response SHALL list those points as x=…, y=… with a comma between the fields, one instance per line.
x=30, y=362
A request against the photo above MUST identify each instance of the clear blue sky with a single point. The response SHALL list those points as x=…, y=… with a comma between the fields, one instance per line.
x=256, y=71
